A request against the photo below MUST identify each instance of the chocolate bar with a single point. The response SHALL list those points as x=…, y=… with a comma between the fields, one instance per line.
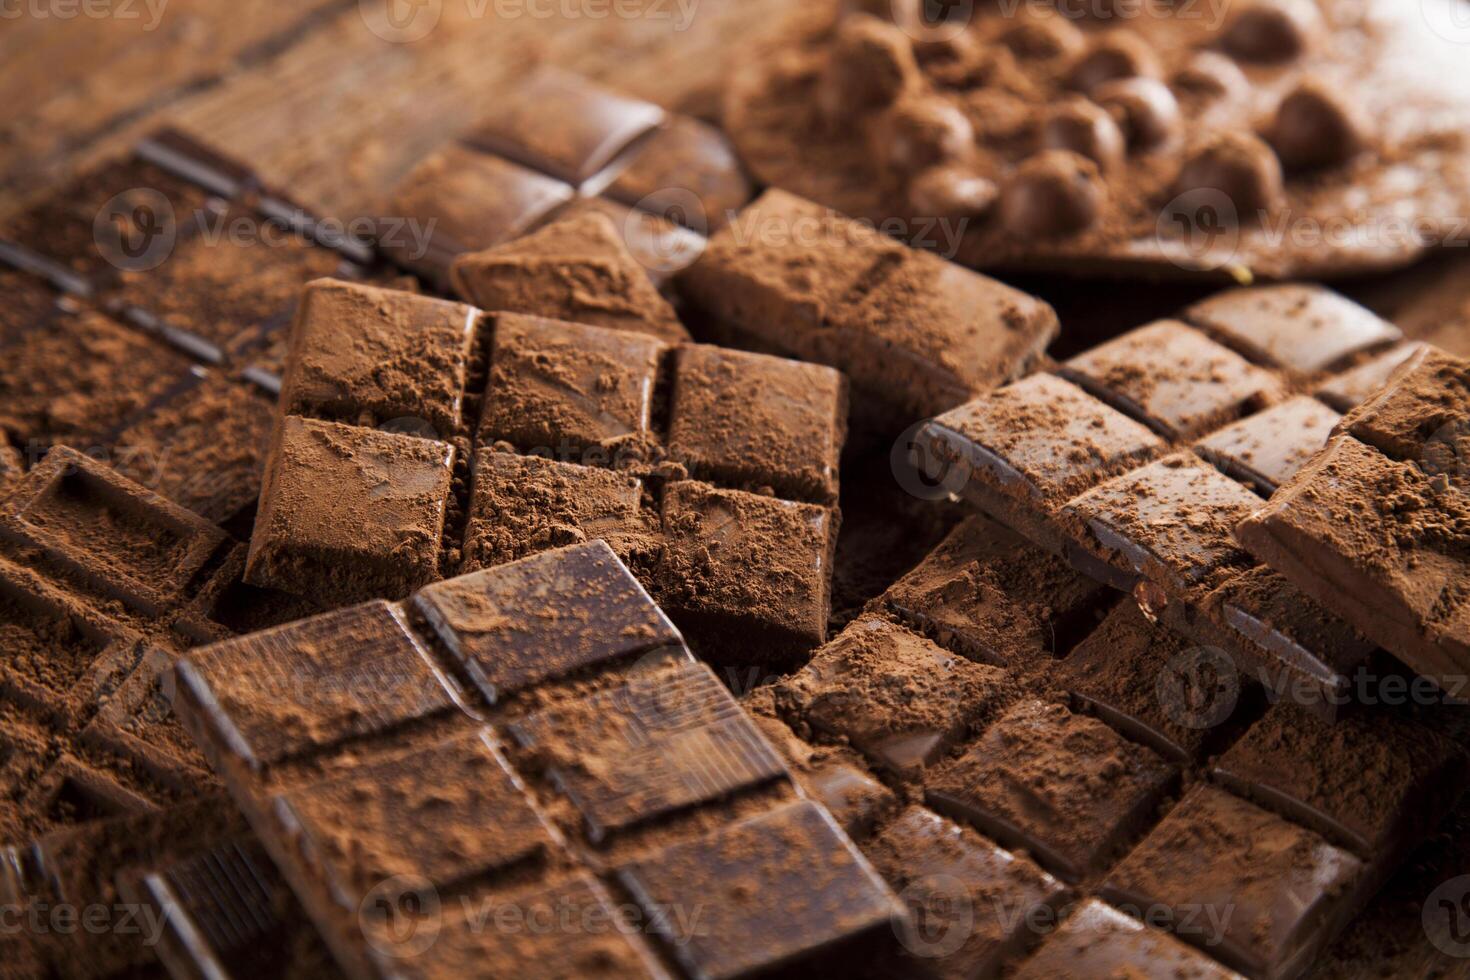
x=453, y=438
x=1094, y=812
x=1376, y=526
x=1139, y=139
x=552, y=697
x=916, y=335
x=1136, y=459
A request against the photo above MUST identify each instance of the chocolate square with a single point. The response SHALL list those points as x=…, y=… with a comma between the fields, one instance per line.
x=683, y=162
x=522, y=505
x=1266, y=449
x=742, y=876
x=137, y=722
x=747, y=563
x=1097, y=940
x=575, y=269
x=53, y=652
x=1171, y=520
x=658, y=244
x=893, y=695
x=563, y=124
x=1303, y=328
x=856, y=800
x=376, y=534
x=440, y=815
x=972, y=904
x=1288, y=889
x=1174, y=379
x=1373, y=784
x=309, y=685
x=758, y=421
x=558, y=388
x=1063, y=787
x=543, y=617
x=1350, y=389
x=1421, y=416
x=668, y=739
x=373, y=356
x=28, y=303
x=1044, y=439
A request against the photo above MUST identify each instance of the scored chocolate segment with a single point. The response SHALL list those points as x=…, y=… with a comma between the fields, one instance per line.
x=593, y=125
x=1301, y=328
x=1350, y=389
x=758, y=421
x=1098, y=791
x=970, y=901
x=1103, y=941
x=494, y=621
x=377, y=534
x=682, y=158
x=558, y=387
x=1288, y=889
x=372, y=356
x=735, y=872
x=310, y=685
x=1421, y=416
x=1267, y=449
x=662, y=743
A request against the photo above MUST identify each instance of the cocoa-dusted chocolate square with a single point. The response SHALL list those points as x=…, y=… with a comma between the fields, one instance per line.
x=1268, y=448
x=498, y=622
x=758, y=421
x=12, y=465
x=310, y=685
x=667, y=740
x=1099, y=940
x=576, y=269
x=856, y=801
x=370, y=356
x=563, y=124
x=29, y=302
x=1303, y=328
x=1350, y=389
x=971, y=903
x=378, y=531
x=1373, y=784
x=521, y=505
x=404, y=816
x=1174, y=379
x=1100, y=790
x=656, y=242
x=736, y=562
x=1421, y=417
x=685, y=163
x=893, y=695
x=559, y=388
x=1287, y=889
x=740, y=875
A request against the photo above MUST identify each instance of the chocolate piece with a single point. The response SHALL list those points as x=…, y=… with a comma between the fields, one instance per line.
x=1301, y=328
x=593, y=125
x=1267, y=449
x=1144, y=108
x=1063, y=787
x=1290, y=891
x=738, y=558
x=657, y=243
x=872, y=64
x=1351, y=388
x=29, y=302
x=1314, y=128
x=136, y=722
x=1102, y=941
x=371, y=356
x=893, y=695
x=736, y=872
x=1272, y=30
x=685, y=157
x=1085, y=128
x=971, y=902
x=855, y=801
x=1420, y=416
x=758, y=421
x=906, y=327
x=12, y=466
x=378, y=533
x=1055, y=193
x=577, y=269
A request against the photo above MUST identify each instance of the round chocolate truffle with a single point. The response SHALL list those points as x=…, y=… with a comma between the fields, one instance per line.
x=1054, y=193
x=1084, y=127
x=1144, y=108
x=1211, y=75
x=870, y=66
x=1270, y=31
x=1316, y=127
x=951, y=192
x=1039, y=38
x=1240, y=166
x=920, y=131
x=1117, y=54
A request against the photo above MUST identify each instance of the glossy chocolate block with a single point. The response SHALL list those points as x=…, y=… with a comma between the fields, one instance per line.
x=1329, y=329
x=1100, y=940
x=684, y=161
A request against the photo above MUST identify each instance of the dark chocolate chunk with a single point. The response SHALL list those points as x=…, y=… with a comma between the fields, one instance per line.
x=1267, y=449
x=1300, y=328
x=1101, y=941
x=683, y=163
x=1350, y=389
x=1420, y=417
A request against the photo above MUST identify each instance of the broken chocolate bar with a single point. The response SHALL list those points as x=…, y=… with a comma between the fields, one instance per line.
x=367, y=746
x=1377, y=526
x=1136, y=459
